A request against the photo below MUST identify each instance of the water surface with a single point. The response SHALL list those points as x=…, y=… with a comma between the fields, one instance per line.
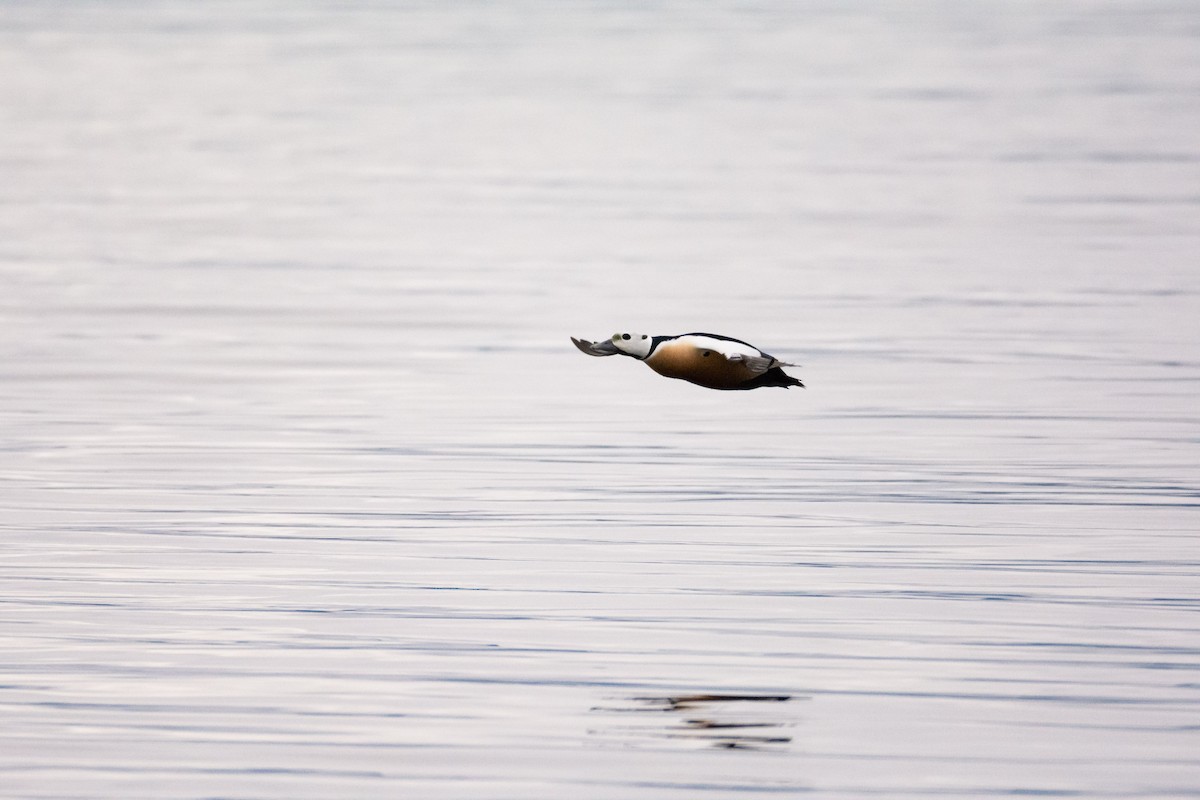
x=306, y=494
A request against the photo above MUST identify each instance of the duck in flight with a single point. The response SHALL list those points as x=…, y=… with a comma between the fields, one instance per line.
x=705, y=359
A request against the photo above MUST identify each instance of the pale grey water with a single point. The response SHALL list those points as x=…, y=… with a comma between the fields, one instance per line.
x=306, y=494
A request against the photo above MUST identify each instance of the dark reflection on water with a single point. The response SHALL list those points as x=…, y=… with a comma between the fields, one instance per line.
x=725, y=721
x=305, y=492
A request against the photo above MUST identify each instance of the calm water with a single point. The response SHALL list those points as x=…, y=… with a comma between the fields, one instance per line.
x=306, y=494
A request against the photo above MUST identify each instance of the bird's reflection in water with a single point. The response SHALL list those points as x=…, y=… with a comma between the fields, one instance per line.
x=726, y=721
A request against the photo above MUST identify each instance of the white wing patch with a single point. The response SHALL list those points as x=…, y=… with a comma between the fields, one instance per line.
x=756, y=364
x=754, y=359
x=722, y=346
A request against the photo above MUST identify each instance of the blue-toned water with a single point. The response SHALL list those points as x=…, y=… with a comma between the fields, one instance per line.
x=305, y=493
